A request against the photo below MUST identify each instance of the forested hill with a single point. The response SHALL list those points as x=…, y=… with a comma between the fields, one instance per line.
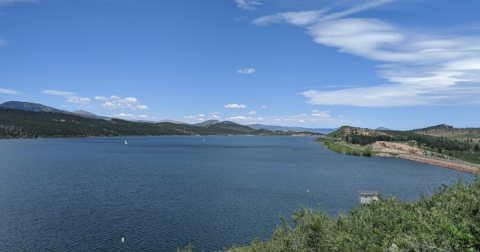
x=450, y=132
x=15, y=123
x=463, y=144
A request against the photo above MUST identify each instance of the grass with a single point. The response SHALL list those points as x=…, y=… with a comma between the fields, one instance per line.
x=344, y=148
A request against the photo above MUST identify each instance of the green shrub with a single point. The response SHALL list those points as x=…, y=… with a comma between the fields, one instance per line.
x=449, y=220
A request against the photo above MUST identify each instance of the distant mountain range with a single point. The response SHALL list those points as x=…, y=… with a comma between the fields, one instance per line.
x=208, y=122
x=31, y=120
x=294, y=129
x=36, y=107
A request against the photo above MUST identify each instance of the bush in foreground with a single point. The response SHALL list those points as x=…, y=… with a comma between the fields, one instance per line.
x=449, y=220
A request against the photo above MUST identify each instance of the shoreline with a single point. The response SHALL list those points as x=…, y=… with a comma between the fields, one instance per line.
x=469, y=168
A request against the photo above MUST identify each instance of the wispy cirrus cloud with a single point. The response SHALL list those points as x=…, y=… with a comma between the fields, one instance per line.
x=56, y=92
x=247, y=4
x=116, y=102
x=70, y=96
x=295, y=18
x=8, y=91
x=235, y=106
x=358, y=8
x=246, y=71
x=421, y=69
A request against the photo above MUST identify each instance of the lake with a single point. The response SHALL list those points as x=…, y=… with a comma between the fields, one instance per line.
x=161, y=193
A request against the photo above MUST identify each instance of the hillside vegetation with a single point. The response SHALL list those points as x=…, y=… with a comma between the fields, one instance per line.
x=448, y=220
x=15, y=123
x=449, y=132
x=467, y=150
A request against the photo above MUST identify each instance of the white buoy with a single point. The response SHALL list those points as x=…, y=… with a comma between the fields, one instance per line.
x=123, y=240
x=308, y=190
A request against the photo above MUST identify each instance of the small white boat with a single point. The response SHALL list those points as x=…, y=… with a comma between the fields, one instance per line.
x=126, y=142
x=204, y=139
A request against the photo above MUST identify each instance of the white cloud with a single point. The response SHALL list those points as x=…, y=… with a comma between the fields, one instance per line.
x=74, y=99
x=359, y=8
x=60, y=93
x=295, y=18
x=2, y=42
x=7, y=91
x=314, y=118
x=252, y=113
x=215, y=117
x=247, y=4
x=195, y=118
x=245, y=119
x=263, y=107
x=340, y=116
x=324, y=114
x=246, y=71
x=235, y=106
x=116, y=102
x=421, y=68
x=101, y=98
x=70, y=96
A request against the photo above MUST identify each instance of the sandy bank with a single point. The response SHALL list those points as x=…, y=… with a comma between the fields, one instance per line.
x=387, y=149
x=442, y=163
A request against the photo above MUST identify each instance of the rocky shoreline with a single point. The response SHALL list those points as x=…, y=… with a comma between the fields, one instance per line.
x=386, y=149
x=443, y=163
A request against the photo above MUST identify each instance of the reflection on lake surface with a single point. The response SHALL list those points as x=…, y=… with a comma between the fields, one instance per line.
x=161, y=193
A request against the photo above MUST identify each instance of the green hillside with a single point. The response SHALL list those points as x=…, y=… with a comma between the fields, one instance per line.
x=467, y=150
x=16, y=123
x=449, y=132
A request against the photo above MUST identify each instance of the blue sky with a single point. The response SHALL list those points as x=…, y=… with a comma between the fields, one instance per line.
x=400, y=64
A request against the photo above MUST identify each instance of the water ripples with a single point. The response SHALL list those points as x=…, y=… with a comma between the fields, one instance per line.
x=161, y=193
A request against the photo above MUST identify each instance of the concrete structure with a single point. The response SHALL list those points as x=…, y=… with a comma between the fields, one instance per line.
x=366, y=197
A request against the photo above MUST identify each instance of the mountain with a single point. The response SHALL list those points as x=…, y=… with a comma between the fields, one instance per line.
x=35, y=107
x=450, y=132
x=209, y=122
x=171, y=121
x=294, y=129
x=382, y=128
x=89, y=115
x=436, y=127
x=20, y=123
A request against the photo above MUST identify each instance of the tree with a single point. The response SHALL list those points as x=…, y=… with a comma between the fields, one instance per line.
x=477, y=148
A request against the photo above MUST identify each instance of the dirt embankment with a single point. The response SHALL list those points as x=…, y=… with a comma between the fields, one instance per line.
x=396, y=148
x=385, y=149
x=442, y=163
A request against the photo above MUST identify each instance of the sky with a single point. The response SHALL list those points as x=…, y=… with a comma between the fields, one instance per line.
x=400, y=64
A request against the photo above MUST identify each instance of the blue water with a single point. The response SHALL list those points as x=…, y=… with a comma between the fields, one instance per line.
x=161, y=193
